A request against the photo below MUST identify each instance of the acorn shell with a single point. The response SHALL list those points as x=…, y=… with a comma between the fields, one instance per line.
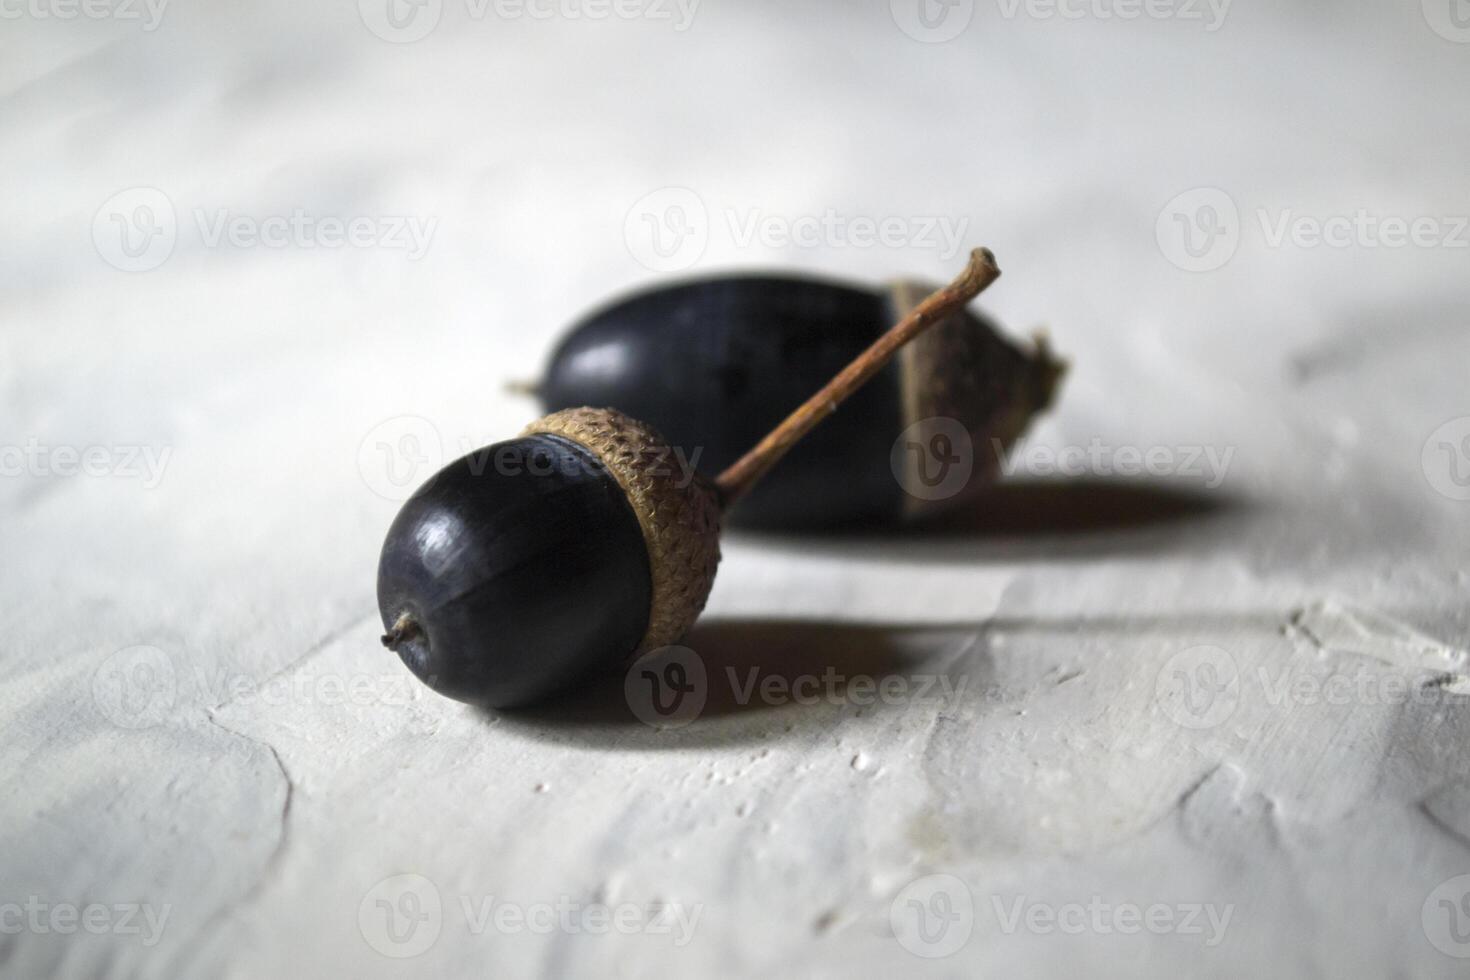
x=522, y=569
x=678, y=512
x=714, y=364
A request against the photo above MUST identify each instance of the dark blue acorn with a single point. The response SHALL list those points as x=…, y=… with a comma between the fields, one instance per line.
x=524, y=567
x=455, y=564
x=715, y=363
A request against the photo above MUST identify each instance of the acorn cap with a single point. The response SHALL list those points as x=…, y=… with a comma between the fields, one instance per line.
x=962, y=369
x=678, y=510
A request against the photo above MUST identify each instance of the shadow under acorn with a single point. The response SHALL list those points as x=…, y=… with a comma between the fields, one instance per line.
x=763, y=680
x=1014, y=520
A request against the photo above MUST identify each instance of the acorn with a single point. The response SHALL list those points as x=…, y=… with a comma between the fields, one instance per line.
x=522, y=568
x=714, y=363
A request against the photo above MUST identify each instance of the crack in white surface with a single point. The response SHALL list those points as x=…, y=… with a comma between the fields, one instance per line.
x=311, y=651
x=1338, y=627
x=272, y=864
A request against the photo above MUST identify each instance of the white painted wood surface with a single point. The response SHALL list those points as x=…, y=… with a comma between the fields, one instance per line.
x=1175, y=728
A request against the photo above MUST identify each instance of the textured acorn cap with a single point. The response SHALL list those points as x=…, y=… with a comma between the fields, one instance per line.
x=677, y=509
x=964, y=370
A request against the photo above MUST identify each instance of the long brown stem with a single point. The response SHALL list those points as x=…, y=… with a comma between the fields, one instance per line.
x=745, y=472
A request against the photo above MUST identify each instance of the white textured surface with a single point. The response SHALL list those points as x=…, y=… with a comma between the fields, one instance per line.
x=238, y=790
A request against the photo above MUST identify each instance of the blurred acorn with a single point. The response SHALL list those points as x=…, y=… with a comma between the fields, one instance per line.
x=715, y=363
x=521, y=568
